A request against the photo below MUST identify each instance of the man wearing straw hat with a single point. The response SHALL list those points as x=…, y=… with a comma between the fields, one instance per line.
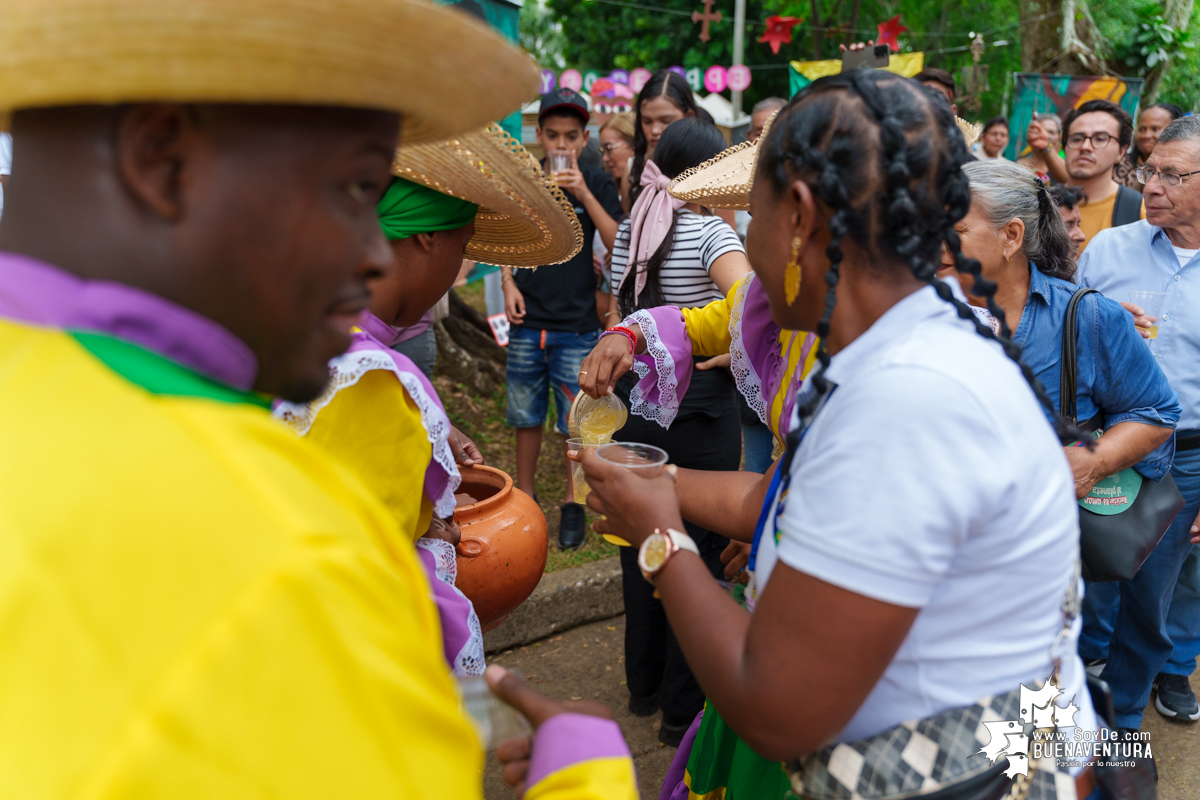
x=193, y=602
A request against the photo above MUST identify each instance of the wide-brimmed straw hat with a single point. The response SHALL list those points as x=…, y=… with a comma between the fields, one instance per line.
x=724, y=181
x=444, y=71
x=524, y=219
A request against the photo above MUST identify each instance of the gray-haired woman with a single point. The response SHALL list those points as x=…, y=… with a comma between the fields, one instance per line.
x=1016, y=233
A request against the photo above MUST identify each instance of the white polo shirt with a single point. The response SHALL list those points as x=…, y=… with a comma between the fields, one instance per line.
x=931, y=479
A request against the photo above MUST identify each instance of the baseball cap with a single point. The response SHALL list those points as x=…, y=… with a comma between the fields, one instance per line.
x=563, y=97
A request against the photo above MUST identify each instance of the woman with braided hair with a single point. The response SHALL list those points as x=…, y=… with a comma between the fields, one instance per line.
x=916, y=558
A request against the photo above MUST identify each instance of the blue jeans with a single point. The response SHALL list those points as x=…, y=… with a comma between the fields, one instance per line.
x=759, y=444
x=1126, y=621
x=1183, y=620
x=540, y=361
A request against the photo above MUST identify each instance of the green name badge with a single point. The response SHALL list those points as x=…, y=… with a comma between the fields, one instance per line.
x=1114, y=494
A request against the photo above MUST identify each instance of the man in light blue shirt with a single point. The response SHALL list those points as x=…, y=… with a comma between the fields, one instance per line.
x=1158, y=254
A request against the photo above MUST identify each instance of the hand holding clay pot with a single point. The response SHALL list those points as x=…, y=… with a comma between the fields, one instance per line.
x=503, y=548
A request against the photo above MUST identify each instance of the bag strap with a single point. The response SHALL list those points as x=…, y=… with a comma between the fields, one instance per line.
x=1127, y=206
x=1068, y=368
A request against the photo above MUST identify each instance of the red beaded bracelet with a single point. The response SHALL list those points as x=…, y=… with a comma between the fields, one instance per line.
x=627, y=333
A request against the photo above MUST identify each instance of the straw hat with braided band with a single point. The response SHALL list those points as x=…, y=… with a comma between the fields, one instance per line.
x=524, y=219
x=724, y=181
x=442, y=70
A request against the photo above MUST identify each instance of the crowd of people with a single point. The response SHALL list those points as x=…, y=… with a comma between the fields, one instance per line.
x=897, y=382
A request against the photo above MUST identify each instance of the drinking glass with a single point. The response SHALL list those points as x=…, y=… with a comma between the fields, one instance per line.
x=578, y=476
x=645, y=460
x=495, y=719
x=1152, y=303
x=558, y=161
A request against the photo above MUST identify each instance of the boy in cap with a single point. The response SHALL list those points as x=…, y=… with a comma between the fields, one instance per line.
x=194, y=602
x=553, y=312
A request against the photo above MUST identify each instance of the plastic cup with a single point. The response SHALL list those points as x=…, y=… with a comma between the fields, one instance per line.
x=578, y=477
x=1152, y=303
x=558, y=162
x=595, y=420
x=495, y=719
x=645, y=460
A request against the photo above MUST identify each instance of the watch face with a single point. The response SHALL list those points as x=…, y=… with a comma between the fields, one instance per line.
x=654, y=552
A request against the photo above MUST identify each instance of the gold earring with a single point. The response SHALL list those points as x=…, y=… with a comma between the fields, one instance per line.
x=791, y=273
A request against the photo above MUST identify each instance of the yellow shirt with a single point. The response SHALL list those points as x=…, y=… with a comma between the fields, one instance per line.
x=1097, y=216
x=711, y=331
x=196, y=603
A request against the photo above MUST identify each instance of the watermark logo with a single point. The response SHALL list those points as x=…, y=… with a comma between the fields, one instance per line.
x=1056, y=736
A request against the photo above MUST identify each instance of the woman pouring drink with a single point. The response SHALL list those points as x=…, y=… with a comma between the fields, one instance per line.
x=913, y=559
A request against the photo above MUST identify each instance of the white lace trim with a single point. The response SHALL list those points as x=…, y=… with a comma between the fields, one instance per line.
x=345, y=371
x=744, y=376
x=470, y=659
x=986, y=318
x=668, y=404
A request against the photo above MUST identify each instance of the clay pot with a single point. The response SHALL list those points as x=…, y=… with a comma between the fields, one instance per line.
x=503, y=548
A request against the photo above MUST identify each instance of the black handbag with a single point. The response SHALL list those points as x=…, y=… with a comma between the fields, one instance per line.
x=1114, y=544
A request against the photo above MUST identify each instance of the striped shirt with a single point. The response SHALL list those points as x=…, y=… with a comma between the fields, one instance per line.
x=699, y=241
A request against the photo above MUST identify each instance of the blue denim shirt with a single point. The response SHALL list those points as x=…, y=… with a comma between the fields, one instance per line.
x=1117, y=374
x=1139, y=257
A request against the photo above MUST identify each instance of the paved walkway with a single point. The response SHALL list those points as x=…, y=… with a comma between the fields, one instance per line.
x=587, y=663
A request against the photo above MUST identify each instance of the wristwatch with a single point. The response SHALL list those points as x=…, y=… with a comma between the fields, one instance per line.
x=657, y=550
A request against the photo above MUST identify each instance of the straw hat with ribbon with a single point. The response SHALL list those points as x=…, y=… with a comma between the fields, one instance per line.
x=442, y=70
x=524, y=219
x=724, y=181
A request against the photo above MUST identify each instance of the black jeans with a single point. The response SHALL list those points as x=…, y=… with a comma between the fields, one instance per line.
x=706, y=434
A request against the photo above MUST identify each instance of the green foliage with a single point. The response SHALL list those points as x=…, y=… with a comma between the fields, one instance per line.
x=541, y=35
x=1150, y=43
x=602, y=35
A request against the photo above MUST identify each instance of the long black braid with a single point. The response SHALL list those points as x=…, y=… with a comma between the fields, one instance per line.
x=827, y=135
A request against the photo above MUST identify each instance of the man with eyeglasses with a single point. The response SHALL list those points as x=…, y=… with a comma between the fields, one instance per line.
x=1146, y=631
x=1095, y=137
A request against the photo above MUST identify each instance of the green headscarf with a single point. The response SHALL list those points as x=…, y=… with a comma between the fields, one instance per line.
x=409, y=208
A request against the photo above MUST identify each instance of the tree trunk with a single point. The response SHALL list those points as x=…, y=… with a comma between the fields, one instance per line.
x=1058, y=36
x=467, y=351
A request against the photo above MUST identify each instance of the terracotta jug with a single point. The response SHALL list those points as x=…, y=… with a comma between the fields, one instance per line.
x=503, y=548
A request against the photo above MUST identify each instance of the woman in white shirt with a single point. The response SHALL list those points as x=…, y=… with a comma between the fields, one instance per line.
x=683, y=257
x=916, y=558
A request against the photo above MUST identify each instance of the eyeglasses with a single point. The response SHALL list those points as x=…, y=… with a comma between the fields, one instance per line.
x=1098, y=140
x=608, y=148
x=1169, y=179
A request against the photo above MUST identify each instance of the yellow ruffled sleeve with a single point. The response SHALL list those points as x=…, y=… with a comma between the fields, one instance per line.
x=375, y=428
x=708, y=326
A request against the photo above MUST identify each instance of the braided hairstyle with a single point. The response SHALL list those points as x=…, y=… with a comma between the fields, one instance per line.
x=847, y=134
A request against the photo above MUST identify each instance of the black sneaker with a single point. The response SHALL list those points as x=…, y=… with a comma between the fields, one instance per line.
x=672, y=729
x=1175, y=699
x=1136, y=735
x=572, y=526
x=643, y=705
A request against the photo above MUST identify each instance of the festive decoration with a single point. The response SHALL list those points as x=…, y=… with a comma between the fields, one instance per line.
x=638, y=78
x=706, y=18
x=625, y=85
x=609, y=97
x=1048, y=93
x=802, y=73
x=779, y=31
x=571, y=79
x=715, y=78
x=738, y=78
x=889, y=33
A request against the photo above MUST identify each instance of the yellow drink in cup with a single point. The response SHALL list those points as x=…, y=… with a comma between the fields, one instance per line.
x=645, y=460
x=578, y=477
x=1153, y=304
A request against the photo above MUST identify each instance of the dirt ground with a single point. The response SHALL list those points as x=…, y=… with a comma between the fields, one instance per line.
x=587, y=663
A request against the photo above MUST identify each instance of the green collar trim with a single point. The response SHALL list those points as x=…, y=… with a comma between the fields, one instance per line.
x=158, y=374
